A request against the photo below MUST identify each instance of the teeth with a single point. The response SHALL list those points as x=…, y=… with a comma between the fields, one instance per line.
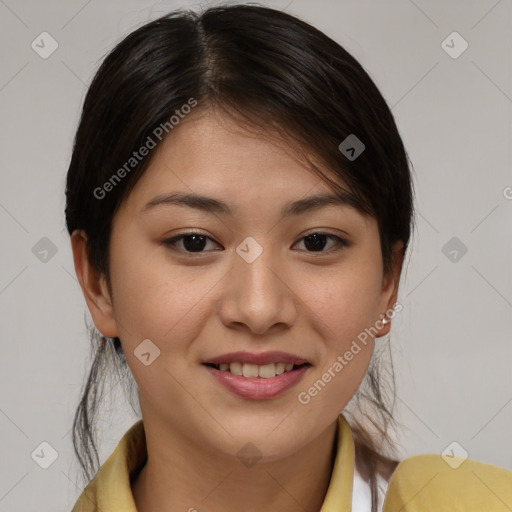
x=235, y=368
x=250, y=370
x=279, y=368
x=265, y=371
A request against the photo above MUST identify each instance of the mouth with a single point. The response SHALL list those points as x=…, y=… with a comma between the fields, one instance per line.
x=265, y=371
x=257, y=376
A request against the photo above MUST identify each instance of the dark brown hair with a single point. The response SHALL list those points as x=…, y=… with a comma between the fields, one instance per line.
x=272, y=73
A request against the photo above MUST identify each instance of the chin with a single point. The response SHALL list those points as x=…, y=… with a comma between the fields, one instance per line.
x=265, y=440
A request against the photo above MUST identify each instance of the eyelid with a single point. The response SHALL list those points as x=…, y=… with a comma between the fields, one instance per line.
x=341, y=241
x=327, y=231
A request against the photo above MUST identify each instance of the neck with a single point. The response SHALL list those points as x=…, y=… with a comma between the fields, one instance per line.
x=190, y=479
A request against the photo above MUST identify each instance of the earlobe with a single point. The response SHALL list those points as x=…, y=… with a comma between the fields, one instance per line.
x=390, y=286
x=94, y=287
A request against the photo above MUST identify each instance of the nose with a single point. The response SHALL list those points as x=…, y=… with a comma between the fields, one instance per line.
x=258, y=296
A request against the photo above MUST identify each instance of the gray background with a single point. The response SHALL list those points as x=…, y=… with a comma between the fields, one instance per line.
x=451, y=342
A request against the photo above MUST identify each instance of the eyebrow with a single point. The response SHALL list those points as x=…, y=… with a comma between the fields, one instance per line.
x=212, y=205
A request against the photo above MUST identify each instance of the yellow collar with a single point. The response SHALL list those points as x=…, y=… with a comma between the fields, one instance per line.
x=111, y=487
x=339, y=493
x=422, y=482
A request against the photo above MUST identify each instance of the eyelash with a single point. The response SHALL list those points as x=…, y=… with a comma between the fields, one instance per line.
x=171, y=242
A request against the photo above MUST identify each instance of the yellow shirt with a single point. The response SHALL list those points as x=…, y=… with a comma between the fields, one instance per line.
x=418, y=484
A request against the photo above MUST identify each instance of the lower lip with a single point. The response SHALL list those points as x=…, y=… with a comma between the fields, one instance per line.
x=257, y=388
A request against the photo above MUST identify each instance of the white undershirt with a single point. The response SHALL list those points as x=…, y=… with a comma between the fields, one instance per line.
x=361, y=495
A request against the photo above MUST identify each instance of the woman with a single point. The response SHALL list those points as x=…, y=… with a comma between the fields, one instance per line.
x=239, y=202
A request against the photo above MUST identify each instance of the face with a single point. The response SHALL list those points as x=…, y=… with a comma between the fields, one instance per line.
x=202, y=292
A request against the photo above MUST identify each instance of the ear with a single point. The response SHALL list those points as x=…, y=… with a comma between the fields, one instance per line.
x=94, y=287
x=390, y=283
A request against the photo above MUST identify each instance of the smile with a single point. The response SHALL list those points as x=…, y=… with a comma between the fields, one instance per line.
x=257, y=376
x=265, y=371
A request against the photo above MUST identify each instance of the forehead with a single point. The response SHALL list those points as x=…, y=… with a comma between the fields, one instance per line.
x=211, y=153
x=211, y=165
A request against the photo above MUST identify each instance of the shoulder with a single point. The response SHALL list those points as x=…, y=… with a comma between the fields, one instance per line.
x=432, y=480
x=110, y=489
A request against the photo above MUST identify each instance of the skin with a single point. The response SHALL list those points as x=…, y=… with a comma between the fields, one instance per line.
x=312, y=303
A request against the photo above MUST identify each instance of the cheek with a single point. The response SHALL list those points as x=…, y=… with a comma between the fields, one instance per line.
x=162, y=304
x=156, y=300
x=344, y=306
x=344, y=302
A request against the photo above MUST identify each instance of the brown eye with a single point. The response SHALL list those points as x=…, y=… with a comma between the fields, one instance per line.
x=195, y=243
x=191, y=242
x=316, y=242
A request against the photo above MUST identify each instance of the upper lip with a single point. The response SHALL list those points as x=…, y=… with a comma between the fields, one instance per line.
x=257, y=358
